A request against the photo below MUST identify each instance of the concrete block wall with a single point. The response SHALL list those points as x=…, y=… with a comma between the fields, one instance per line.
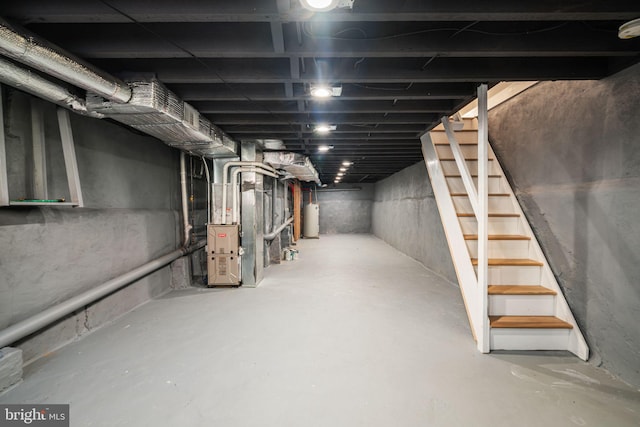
x=405, y=215
x=345, y=208
x=130, y=185
x=572, y=152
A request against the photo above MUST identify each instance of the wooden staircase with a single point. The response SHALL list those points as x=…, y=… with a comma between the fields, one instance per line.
x=526, y=308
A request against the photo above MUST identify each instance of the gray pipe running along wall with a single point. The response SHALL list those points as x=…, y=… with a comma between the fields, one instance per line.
x=131, y=216
x=572, y=152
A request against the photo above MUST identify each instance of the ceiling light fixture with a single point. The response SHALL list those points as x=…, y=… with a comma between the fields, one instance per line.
x=325, y=91
x=630, y=29
x=325, y=148
x=343, y=169
x=325, y=5
x=323, y=128
x=340, y=174
x=347, y=163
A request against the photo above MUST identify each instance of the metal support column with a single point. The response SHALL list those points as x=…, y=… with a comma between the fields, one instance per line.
x=252, y=218
x=483, y=207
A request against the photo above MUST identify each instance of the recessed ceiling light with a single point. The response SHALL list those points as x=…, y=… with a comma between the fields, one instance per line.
x=343, y=169
x=630, y=29
x=321, y=91
x=336, y=181
x=340, y=174
x=346, y=163
x=323, y=128
x=325, y=5
x=325, y=148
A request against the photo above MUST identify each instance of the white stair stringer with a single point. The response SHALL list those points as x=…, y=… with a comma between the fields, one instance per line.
x=552, y=304
x=465, y=272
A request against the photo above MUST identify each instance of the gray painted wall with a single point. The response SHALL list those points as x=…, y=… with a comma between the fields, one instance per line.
x=405, y=215
x=347, y=211
x=48, y=254
x=572, y=151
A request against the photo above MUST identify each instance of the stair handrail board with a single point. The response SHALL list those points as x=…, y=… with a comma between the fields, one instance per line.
x=467, y=180
x=465, y=271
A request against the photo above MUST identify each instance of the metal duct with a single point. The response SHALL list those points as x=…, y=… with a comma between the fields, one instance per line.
x=32, y=83
x=33, y=51
x=155, y=110
x=296, y=164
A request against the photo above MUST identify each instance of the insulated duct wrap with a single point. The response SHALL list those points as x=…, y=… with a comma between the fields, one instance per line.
x=156, y=111
x=296, y=164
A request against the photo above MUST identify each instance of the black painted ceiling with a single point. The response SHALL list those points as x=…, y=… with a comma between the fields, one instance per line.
x=247, y=64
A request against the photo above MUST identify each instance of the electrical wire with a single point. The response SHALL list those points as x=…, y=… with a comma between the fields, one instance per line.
x=308, y=31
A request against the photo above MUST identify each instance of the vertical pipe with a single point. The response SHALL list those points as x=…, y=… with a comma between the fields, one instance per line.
x=4, y=184
x=206, y=171
x=185, y=204
x=483, y=204
x=274, y=196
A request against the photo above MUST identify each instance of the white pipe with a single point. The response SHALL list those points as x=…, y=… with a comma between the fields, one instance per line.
x=32, y=83
x=34, y=323
x=206, y=171
x=234, y=183
x=43, y=56
x=225, y=173
x=277, y=231
x=185, y=205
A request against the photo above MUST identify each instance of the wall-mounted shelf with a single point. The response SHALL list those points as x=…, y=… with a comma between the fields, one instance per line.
x=20, y=203
x=40, y=192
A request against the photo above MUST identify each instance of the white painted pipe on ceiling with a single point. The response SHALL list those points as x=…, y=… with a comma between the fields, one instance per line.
x=234, y=184
x=225, y=174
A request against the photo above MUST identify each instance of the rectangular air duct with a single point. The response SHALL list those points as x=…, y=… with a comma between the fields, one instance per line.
x=296, y=164
x=156, y=111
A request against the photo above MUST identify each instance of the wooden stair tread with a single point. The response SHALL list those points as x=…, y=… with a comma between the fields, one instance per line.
x=529, y=322
x=451, y=159
x=520, y=290
x=498, y=237
x=510, y=262
x=472, y=176
x=490, y=195
x=491, y=215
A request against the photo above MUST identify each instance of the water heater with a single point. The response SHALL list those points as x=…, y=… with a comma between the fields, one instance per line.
x=311, y=226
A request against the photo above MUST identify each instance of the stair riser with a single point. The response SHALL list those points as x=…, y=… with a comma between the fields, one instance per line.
x=461, y=137
x=450, y=167
x=496, y=225
x=529, y=339
x=457, y=186
x=509, y=275
x=496, y=204
x=501, y=248
x=468, y=151
x=521, y=305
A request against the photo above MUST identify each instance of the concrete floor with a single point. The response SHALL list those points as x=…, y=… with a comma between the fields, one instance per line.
x=353, y=333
